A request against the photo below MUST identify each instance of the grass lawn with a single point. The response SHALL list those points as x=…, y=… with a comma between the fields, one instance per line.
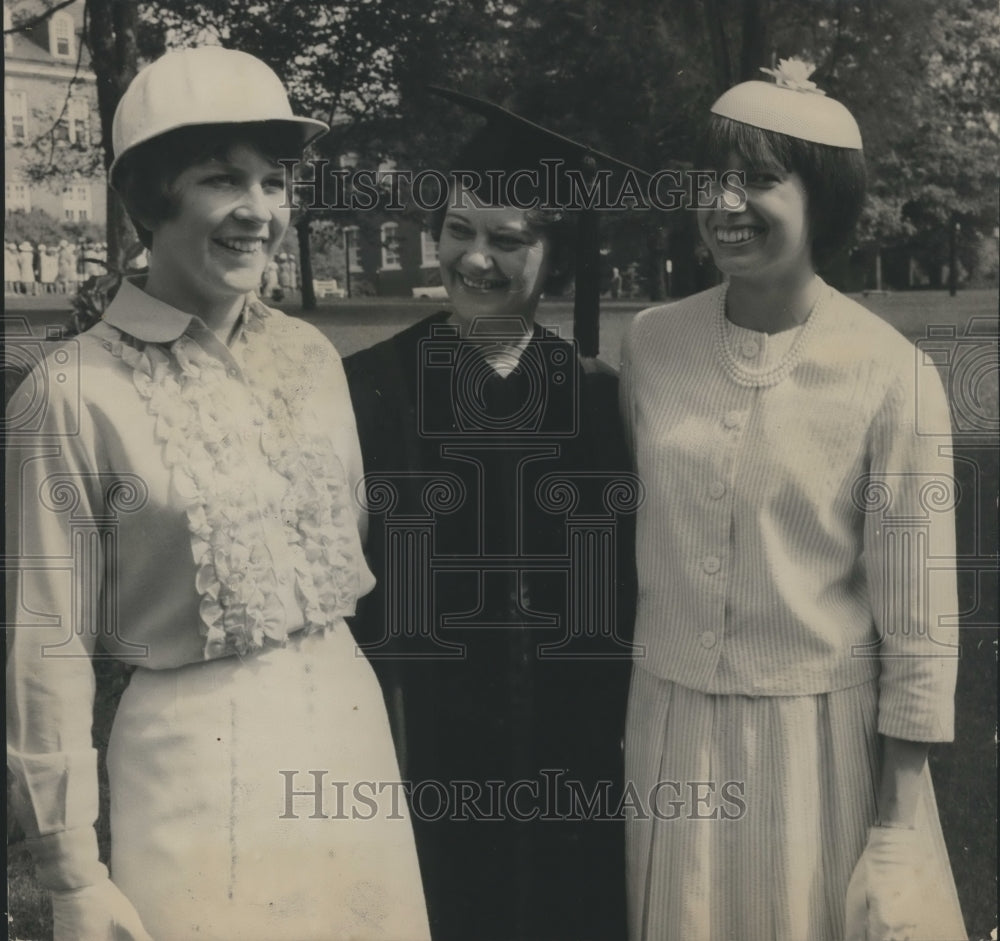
x=965, y=772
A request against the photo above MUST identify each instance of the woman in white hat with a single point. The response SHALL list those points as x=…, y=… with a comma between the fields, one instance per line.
x=287, y=280
x=11, y=268
x=26, y=268
x=798, y=656
x=48, y=267
x=269, y=283
x=192, y=495
x=66, y=261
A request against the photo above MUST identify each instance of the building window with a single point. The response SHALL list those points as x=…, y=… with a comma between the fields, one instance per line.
x=78, y=114
x=76, y=202
x=61, y=36
x=428, y=250
x=348, y=161
x=385, y=172
x=352, y=238
x=17, y=197
x=390, y=246
x=16, y=109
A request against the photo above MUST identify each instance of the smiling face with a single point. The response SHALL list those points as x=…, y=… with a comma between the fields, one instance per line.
x=767, y=236
x=230, y=216
x=493, y=261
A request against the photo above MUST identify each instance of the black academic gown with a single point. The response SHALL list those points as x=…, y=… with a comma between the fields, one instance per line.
x=500, y=532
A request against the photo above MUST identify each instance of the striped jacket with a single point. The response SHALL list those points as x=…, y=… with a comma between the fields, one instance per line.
x=798, y=532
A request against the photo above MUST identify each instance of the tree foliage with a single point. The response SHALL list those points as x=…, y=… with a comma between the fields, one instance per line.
x=52, y=156
x=632, y=78
x=345, y=63
x=111, y=34
x=38, y=227
x=921, y=76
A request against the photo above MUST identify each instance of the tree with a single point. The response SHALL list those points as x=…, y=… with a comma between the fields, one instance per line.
x=631, y=79
x=921, y=77
x=616, y=77
x=110, y=30
x=39, y=227
x=109, y=34
x=343, y=63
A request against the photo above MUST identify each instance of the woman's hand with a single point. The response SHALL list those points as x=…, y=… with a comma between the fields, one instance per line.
x=884, y=895
x=97, y=912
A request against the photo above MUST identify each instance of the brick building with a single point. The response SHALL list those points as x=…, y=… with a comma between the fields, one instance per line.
x=52, y=159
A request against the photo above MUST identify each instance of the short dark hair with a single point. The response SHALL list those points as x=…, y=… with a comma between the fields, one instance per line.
x=145, y=176
x=557, y=225
x=834, y=177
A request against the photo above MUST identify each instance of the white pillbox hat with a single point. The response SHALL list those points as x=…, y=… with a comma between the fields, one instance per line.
x=794, y=106
x=203, y=85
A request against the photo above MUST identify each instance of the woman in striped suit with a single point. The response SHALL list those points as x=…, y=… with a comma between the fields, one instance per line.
x=799, y=647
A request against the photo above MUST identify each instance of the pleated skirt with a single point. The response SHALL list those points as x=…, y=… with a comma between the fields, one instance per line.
x=750, y=813
x=260, y=801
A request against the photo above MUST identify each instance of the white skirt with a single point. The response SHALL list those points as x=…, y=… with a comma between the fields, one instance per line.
x=763, y=806
x=261, y=800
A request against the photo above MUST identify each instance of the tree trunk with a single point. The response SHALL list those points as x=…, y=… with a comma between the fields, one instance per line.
x=953, y=258
x=305, y=264
x=656, y=253
x=121, y=232
x=586, y=299
x=688, y=276
x=754, y=53
x=348, y=235
x=110, y=34
x=721, y=66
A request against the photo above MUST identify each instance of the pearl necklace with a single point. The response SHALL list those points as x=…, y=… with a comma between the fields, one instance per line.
x=743, y=376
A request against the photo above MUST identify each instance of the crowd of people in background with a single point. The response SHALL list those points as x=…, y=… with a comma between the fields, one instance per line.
x=55, y=268
x=280, y=277
x=58, y=268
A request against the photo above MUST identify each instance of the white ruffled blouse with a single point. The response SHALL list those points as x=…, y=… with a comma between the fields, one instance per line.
x=171, y=500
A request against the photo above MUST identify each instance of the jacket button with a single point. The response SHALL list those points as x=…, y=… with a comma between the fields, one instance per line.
x=707, y=639
x=732, y=420
x=716, y=489
x=711, y=564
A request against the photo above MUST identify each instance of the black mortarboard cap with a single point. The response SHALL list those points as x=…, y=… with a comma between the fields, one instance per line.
x=509, y=143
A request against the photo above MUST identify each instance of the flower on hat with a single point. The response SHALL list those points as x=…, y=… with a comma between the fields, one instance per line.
x=794, y=74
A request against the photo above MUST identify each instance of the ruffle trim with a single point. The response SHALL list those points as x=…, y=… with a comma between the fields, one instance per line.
x=232, y=514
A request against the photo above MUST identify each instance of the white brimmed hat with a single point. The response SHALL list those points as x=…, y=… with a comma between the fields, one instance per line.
x=794, y=106
x=204, y=85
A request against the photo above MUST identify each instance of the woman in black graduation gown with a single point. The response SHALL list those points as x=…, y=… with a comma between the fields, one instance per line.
x=498, y=494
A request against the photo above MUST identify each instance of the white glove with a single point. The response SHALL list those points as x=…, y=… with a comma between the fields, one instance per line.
x=97, y=912
x=884, y=894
